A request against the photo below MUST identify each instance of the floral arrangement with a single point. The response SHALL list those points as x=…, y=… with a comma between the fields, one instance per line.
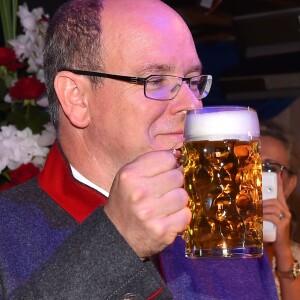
x=26, y=133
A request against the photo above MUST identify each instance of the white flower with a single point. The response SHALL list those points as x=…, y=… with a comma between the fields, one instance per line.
x=47, y=136
x=32, y=65
x=43, y=101
x=7, y=98
x=29, y=46
x=20, y=147
x=19, y=45
x=29, y=19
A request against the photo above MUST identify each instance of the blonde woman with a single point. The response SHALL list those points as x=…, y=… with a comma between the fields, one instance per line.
x=279, y=156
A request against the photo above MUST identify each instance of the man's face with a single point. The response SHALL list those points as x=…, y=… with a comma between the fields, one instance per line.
x=146, y=41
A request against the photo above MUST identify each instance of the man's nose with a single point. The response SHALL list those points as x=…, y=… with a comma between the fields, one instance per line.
x=188, y=97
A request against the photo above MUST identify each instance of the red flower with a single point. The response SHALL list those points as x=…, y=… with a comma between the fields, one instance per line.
x=44, y=19
x=8, y=59
x=20, y=175
x=27, y=88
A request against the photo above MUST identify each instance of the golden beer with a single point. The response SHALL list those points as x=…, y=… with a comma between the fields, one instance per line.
x=223, y=180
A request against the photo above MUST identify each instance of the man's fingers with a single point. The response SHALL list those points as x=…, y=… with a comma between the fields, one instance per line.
x=154, y=163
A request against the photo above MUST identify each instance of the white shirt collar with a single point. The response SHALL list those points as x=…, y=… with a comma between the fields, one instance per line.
x=84, y=180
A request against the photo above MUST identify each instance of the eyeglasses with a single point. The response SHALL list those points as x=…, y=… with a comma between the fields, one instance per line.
x=160, y=87
x=273, y=166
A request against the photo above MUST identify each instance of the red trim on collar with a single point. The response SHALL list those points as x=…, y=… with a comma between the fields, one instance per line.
x=56, y=179
x=156, y=293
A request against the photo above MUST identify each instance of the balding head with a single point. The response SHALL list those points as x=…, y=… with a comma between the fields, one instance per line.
x=132, y=24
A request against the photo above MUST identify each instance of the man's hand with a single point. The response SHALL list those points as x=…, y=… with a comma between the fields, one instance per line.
x=148, y=204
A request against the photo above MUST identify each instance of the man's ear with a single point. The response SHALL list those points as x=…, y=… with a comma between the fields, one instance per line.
x=72, y=91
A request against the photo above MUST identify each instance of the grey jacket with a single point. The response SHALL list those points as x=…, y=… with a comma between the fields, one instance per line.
x=47, y=254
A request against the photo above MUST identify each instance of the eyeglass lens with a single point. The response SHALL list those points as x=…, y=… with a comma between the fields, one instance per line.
x=166, y=87
x=274, y=167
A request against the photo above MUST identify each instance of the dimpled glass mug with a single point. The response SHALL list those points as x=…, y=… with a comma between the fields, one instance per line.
x=223, y=176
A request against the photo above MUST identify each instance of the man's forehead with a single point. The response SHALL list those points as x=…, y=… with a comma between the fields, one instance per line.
x=156, y=67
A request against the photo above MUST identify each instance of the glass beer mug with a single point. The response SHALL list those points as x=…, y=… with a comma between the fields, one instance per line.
x=223, y=178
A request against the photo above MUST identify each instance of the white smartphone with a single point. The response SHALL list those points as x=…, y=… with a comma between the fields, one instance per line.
x=269, y=191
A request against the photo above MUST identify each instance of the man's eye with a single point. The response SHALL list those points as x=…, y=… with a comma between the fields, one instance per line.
x=195, y=80
x=194, y=83
x=155, y=81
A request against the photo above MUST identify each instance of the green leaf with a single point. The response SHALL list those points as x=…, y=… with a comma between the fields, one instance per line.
x=4, y=109
x=8, y=14
x=37, y=118
x=4, y=176
x=2, y=88
x=33, y=117
x=17, y=118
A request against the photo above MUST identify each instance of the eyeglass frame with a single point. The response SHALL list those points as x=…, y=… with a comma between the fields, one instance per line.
x=138, y=80
x=281, y=167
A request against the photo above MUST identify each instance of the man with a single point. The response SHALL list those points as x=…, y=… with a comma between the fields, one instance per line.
x=120, y=77
x=114, y=136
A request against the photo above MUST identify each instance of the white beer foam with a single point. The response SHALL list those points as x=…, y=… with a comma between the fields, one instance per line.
x=219, y=125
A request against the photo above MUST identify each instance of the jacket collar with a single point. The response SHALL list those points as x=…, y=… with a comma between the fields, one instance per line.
x=56, y=179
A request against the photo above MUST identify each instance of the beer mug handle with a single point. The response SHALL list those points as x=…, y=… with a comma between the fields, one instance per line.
x=180, y=155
